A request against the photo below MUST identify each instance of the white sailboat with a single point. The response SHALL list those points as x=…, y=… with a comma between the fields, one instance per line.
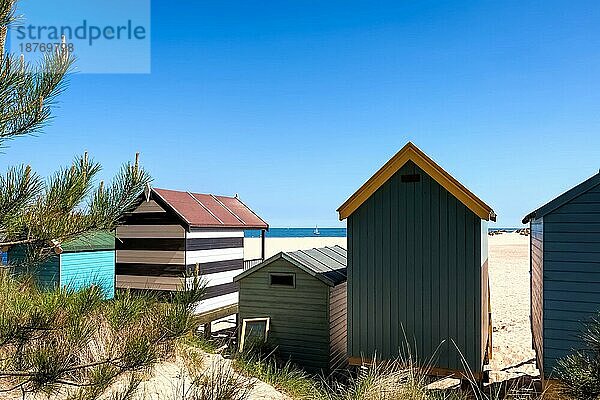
x=316, y=231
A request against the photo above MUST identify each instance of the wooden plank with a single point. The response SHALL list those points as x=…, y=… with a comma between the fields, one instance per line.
x=571, y=266
x=570, y=247
x=337, y=326
x=385, y=259
x=434, y=198
x=452, y=277
x=404, y=300
x=561, y=295
x=396, y=289
x=410, y=259
x=571, y=256
x=151, y=257
x=430, y=371
x=418, y=331
x=444, y=352
x=151, y=218
x=427, y=267
x=571, y=237
x=150, y=231
x=537, y=294
x=573, y=227
x=377, y=323
x=214, y=315
x=149, y=206
x=461, y=277
x=171, y=244
x=570, y=276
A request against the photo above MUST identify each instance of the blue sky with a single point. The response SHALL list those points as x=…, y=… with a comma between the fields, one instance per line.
x=293, y=105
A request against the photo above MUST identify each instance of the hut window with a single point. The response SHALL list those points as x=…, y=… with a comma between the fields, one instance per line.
x=288, y=280
x=254, y=331
x=411, y=178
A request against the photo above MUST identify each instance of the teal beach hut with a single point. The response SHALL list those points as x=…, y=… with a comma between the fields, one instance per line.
x=88, y=260
x=565, y=271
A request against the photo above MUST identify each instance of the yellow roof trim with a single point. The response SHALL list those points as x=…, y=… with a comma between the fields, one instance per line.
x=410, y=152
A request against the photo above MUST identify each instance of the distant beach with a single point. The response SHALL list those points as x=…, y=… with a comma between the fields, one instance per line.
x=330, y=232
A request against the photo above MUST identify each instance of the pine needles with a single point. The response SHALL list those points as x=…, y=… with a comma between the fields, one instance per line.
x=76, y=343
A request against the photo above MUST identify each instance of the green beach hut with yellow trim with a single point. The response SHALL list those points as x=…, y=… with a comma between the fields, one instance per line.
x=418, y=268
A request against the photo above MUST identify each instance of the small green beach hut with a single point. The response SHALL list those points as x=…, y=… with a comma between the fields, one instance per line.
x=298, y=301
x=87, y=260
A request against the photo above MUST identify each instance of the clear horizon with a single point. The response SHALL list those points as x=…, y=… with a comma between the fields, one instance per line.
x=294, y=105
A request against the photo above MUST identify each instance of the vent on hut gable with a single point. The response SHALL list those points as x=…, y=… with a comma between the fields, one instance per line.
x=409, y=178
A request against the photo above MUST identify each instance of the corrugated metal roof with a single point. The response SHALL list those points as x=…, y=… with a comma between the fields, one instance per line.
x=564, y=198
x=327, y=264
x=210, y=211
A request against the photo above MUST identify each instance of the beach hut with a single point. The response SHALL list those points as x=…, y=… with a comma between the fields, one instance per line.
x=87, y=260
x=174, y=233
x=297, y=302
x=565, y=271
x=418, y=267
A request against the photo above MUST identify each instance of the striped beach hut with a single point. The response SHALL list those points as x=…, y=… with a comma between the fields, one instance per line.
x=173, y=233
x=87, y=260
x=418, y=267
x=298, y=301
x=565, y=271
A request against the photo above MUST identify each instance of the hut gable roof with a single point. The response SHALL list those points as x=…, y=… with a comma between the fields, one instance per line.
x=93, y=241
x=564, y=198
x=410, y=152
x=198, y=210
x=328, y=264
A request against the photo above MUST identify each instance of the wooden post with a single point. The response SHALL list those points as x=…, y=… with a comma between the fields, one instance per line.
x=262, y=244
x=207, y=330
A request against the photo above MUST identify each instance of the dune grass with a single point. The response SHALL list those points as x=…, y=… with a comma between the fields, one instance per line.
x=284, y=377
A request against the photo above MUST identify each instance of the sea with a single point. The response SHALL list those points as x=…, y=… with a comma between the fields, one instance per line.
x=323, y=232
x=299, y=232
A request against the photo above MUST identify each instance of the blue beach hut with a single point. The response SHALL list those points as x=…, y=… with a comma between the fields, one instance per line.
x=564, y=268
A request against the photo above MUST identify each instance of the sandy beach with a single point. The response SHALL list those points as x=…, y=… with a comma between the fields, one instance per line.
x=509, y=280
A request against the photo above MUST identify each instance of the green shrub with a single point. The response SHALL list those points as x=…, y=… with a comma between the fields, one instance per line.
x=579, y=372
x=76, y=344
